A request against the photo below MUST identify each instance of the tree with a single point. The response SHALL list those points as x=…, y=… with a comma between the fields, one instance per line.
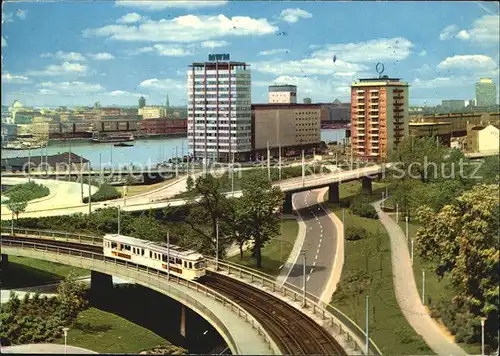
x=17, y=203
x=462, y=238
x=189, y=183
x=259, y=211
x=71, y=297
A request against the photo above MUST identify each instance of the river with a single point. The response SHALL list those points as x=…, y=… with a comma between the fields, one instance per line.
x=144, y=152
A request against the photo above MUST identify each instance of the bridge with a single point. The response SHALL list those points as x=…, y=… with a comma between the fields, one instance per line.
x=280, y=318
x=289, y=186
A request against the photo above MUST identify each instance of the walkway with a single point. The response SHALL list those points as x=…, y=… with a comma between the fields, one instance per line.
x=407, y=294
x=44, y=349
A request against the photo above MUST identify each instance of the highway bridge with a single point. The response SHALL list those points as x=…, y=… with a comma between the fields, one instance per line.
x=279, y=320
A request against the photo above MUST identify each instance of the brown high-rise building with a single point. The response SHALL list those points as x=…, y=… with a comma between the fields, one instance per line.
x=379, y=117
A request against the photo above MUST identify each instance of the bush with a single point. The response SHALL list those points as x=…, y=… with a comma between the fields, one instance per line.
x=355, y=233
x=105, y=192
x=30, y=190
x=362, y=207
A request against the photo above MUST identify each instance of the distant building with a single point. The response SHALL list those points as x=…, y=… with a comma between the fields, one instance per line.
x=453, y=105
x=219, y=110
x=57, y=162
x=483, y=139
x=442, y=130
x=162, y=126
x=153, y=112
x=142, y=102
x=292, y=126
x=486, y=93
x=282, y=94
x=336, y=112
x=9, y=132
x=110, y=111
x=379, y=116
x=307, y=100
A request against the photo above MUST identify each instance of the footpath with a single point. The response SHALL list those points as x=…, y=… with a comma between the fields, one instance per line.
x=407, y=294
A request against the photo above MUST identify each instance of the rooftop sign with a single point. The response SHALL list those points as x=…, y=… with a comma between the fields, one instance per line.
x=218, y=57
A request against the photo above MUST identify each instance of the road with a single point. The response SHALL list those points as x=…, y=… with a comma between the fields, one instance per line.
x=407, y=294
x=320, y=243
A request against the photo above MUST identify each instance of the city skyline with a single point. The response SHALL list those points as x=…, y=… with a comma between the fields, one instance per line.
x=128, y=49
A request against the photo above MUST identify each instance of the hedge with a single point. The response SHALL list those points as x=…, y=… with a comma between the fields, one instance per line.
x=105, y=192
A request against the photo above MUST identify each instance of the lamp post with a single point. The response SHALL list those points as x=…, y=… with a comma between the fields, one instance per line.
x=90, y=196
x=268, y=162
x=367, y=340
x=118, y=206
x=81, y=175
x=303, y=253
x=168, y=255
x=406, y=218
x=483, y=319
x=423, y=286
x=303, y=169
x=65, y=330
x=279, y=160
x=411, y=254
x=217, y=246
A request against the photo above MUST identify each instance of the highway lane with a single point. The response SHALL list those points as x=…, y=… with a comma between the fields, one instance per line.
x=320, y=243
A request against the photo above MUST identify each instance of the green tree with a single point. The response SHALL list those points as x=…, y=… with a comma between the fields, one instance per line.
x=259, y=211
x=189, y=183
x=71, y=295
x=462, y=238
x=17, y=203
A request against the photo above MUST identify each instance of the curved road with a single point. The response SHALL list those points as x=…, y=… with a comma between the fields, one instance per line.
x=321, y=245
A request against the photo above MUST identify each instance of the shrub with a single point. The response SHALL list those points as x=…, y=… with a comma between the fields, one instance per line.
x=355, y=233
x=105, y=192
x=30, y=190
x=362, y=207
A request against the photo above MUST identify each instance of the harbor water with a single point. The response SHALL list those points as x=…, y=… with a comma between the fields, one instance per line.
x=145, y=152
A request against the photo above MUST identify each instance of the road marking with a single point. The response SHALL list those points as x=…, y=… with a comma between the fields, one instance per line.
x=316, y=257
x=314, y=264
x=317, y=252
x=320, y=241
x=311, y=271
x=308, y=278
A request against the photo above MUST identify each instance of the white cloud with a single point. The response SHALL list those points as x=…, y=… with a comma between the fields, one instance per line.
x=440, y=82
x=140, y=51
x=172, y=50
x=463, y=35
x=65, y=56
x=131, y=17
x=64, y=68
x=317, y=88
x=72, y=88
x=293, y=15
x=162, y=84
x=155, y=5
x=214, y=44
x=7, y=17
x=103, y=56
x=21, y=14
x=422, y=53
x=306, y=66
x=188, y=28
x=11, y=78
x=125, y=94
x=4, y=42
x=485, y=31
x=468, y=63
x=448, y=32
x=47, y=92
x=396, y=48
x=273, y=51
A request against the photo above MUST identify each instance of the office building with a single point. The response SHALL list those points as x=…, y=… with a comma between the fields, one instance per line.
x=292, y=126
x=153, y=112
x=219, y=110
x=142, y=102
x=379, y=117
x=282, y=94
x=486, y=93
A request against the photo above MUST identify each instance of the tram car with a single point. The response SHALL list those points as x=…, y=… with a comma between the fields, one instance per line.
x=186, y=264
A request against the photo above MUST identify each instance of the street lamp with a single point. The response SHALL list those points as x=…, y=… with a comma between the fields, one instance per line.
x=367, y=341
x=65, y=330
x=483, y=319
x=423, y=286
x=303, y=253
x=118, y=206
x=406, y=218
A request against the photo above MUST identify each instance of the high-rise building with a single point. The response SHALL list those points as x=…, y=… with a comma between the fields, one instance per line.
x=142, y=102
x=219, y=109
x=453, y=105
x=486, y=92
x=307, y=101
x=282, y=94
x=379, y=116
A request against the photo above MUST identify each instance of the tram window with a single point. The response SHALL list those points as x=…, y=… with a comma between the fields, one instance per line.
x=133, y=250
x=185, y=264
x=190, y=265
x=113, y=245
x=178, y=261
x=126, y=247
x=164, y=258
x=142, y=251
x=150, y=254
x=199, y=265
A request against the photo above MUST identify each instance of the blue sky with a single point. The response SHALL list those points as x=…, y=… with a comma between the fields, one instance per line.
x=76, y=53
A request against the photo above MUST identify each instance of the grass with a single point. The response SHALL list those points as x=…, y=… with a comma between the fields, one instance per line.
x=27, y=272
x=29, y=191
x=139, y=189
x=104, y=332
x=368, y=272
x=435, y=289
x=275, y=252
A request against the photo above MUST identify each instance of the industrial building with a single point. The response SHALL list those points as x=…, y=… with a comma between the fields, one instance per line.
x=379, y=117
x=292, y=127
x=162, y=127
x=282, y=94
x=219, y=109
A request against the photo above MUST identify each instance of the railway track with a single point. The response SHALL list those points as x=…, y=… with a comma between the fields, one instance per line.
x=294, y=332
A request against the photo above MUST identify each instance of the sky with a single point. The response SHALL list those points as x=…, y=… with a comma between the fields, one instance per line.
x=77, y=53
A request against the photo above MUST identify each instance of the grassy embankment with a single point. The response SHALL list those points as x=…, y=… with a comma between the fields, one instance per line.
x=368, y=271
x=140, y=189
x=275, y=252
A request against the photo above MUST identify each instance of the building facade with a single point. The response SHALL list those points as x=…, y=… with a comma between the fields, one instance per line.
x=219, y=110
x=292, y=127
x=486, y=93
x=441, y=130
x=483, y=139
x=282, y=94
x=454, y=105
x=153, y=112
x=142, y=102
x=162, y=126
x=379, y=117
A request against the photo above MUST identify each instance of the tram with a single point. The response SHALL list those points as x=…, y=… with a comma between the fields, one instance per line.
x=183, y=263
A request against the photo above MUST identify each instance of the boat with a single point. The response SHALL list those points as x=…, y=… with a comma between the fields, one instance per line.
x=118, y=138
x=123, y=144
x=22, y=145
